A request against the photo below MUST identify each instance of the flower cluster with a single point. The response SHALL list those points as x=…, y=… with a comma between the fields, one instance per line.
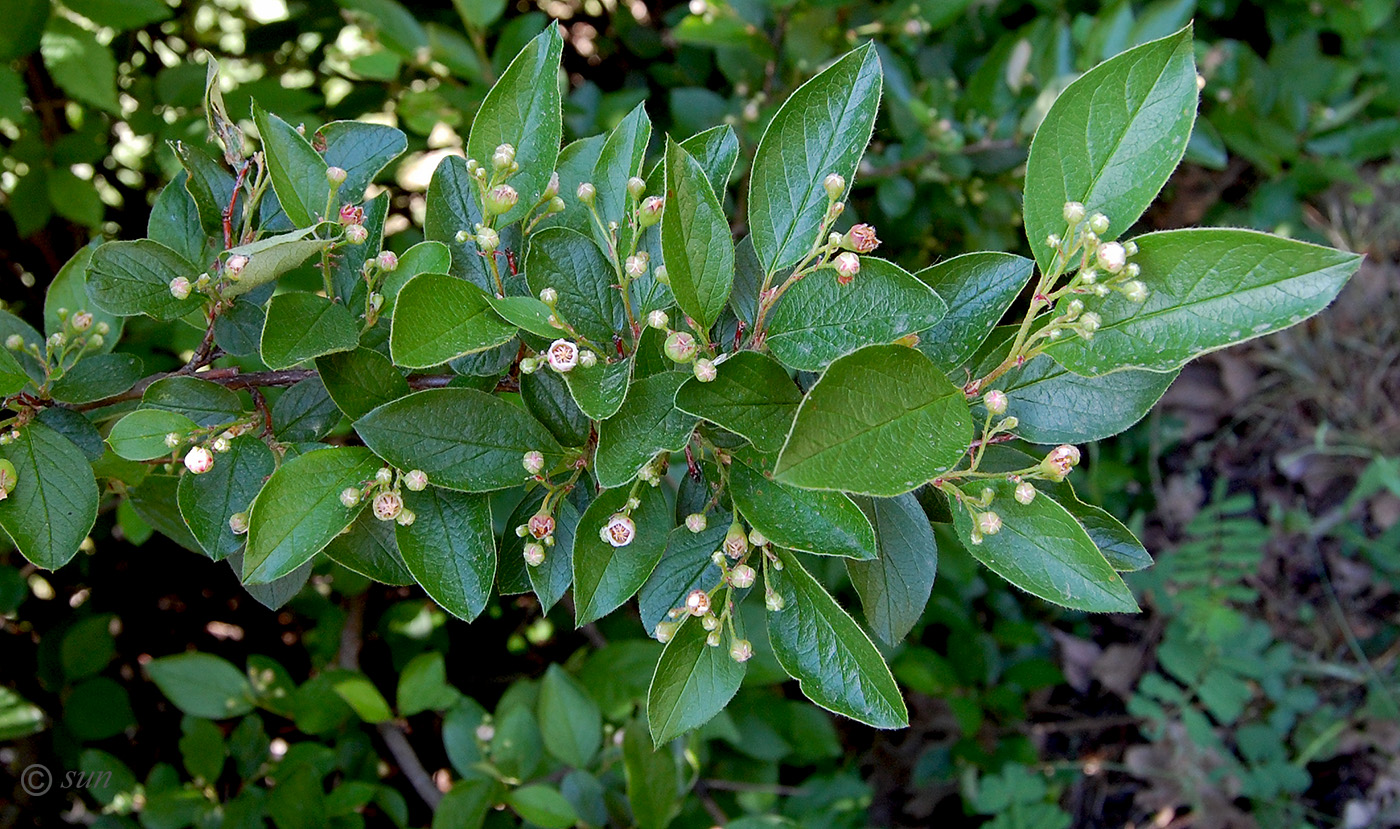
x=384, y=492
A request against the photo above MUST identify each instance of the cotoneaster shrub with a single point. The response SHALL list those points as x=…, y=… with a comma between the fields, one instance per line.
x=582, y=331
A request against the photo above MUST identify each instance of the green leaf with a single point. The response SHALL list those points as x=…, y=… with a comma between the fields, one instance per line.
x=453, y=206
x=97, y=376
x=619, y=160
x=570, y=720
x=1054, y=405
x=370, y=549
x=206, y=403
x=302, y=325
x=1208, y=289
x=693, y=682
x=175, y=222
x=978, y=288
x=1044, y=551
x=348, y=262
x=685, y=566
x=12, y=375
x=23, y=29
x=424, y=257
x=450, y=548
x=129, y=278
x=304, y=412
x=524, y=110
x=466, y=805
x=80, y=64
x=362, y=150
x=546, y=396
x=606, y=576
x=463, y=438
x=751, y=395
x=208, y=501
x=140, y=435
x=360, y=380
x=881, y=421
x=202, y=749
x=577, y=269
x=121, y=14
x=298, y=511
x=819, y=319
x=821, y=129
x=202, y=685
x=527, y=314
x=817, y=643
x=600, y=389
x=825, y=523
x=717, y=150
x=208, y=183
x=19, y=718
x=895, y=586
x=423, y=686
x=273, y=256
x=69, y=290
x=76, y=427
x=551, y=579
x=364, y=699
x=647, y=423
x=653, y=782
x=543, y=806
x=439, y=317
x=695, y=239
x=1111, y=139
x=297, y=171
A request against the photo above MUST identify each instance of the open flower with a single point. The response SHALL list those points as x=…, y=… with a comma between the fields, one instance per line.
x=562, y=356
x=619, y=531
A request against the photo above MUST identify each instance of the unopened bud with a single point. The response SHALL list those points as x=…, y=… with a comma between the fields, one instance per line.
x=220, y=445
x=549, y=296
x=586, y=358
x=713, y=639
x=384, y=475
x=741, y=650
x=636, y=187
x=180, y=287
x=533, y=462
x=487, y=239
x=199, y=460
x=356, y=234
x=503, y=157
x=665, y=631
x=238, y=523
x=555, y=205
x=861, y=239
x=741, y=576
x=834, y=185
x=173, y=440
x=1025, y=492
x=988, y=523
x=551, y=190
x=847, y=266
x=81, y=321
x=14, y=342
x=696, y=522
x=773, y=601
x=416, y=480
x=658, y=319
x=662, y=275
x=757, y=538
x=705, y=370
x=1111, y=257
x=349, y=497
x=650, y=212
x=995, y=401
x=1098, y=223
x=1135, y=291
x=534, y=554
x=335, y=175
x=387, y=260
x=709, y=622
x=635, y=266
x=1089, y=322
x=736, y=541
x=587, y=192
x=1074, y=212
x=376, y=301
x=406, y=517
x=681, y=347
x=500, y=199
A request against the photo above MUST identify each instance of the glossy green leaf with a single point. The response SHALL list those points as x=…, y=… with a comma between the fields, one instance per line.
x=298, y=511
x=577, y=269
x=835, y=662
x=1111, y=139
x=825, y=523
x=570, y=720
x=370, y=548
x=606, y=576
x=364, y=699
x=978, y=289
x=600, y=389
x=97, y=376
x=423, y=686
x=122, y=14
x=450, y=548
x=362, y=150
x=547, y=397
x=895, y=586
x=54, y=503
x=140, y=435
x=80, y=64
x=1055, y=405
x=304, y=412
x=209, y=183
x=821, y=129
x=523, y=109
x=207, y=501
x=819, y=319
x=653, y=781
x=206, y=403
x=270, y=257
x=464, y=439
x=12, y=375
x=1044, y=551
x=1207, y=289
x=424, y=257
x=129, y=278
x=647, y=423
x=19, y=718
x=297, y=171
x=175, y=223
x=619, y=160
x=439, y=317
x=693, y=682
x=527, y=314
x=695, y=238
x=360, y=380
x=751, y=395
x=452, y=206
x=69, y=290
x=543, y=806
x=881, y=421
x=685, y=566
x=202, y=685
x=301, y=326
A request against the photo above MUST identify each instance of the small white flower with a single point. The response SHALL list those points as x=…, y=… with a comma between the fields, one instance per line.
x=563, y=356
x=416, y=480
x=199, y=460
x=387, y=506
x=619, y=531
x=697, y=603
x=1111, y=257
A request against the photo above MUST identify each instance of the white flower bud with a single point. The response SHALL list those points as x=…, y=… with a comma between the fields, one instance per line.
x=487, y=239
x=696, y=522
x=199, y=460
x=705, y=370
x=562, y=356
x=336, y=175
x=658, y=320
x=995, y=401
x=1111, y=257
x=1025, y=492
x=988, y=523
x=847, y=266
x=14, y=342
x=741, y=576
x=713, y=639
x=238, y=523
x=741, y=650
x=636, y=187
x=1074, y=212
x=356, y=234
x=662, y=275
x=551, y=190
x=416, y=480
x=220, y=445
x=103, y=328
x=709, y=622
x=1090, y=322
x=586, y=358
x=534, y=554
x=180, y=287
x=1130, y=248
x=619, y=531
x=387, y=260
x=387, y=506
x=349, y=497
x=757, y=538
x=533, y=462
x=650, y=212
x=406, y=518
x=834, y=185
x=384, y=475
x=81, y=321
x=680, y=347
x=503, y=157
x=96, y=341
x=736, y=541
x=635, y=266
x=1135, y=291
x=549, y=296
x=173, y=440
x=587, y=192
x=1098, y=223
x=665, y=631
x=500, y=199
x=773, y=601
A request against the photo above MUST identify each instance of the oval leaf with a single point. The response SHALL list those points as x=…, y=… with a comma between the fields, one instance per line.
x=439, y=317
x=751, y=396
x=606, y=576
x=695, y=240
x=450, y=548
x=54, y=503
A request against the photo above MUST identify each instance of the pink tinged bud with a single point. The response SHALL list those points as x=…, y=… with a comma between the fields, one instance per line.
x=534, y=554
x=705, y=370
x=416, y=480
x=741, y=576
x=1025, y=493
x=665, y=631
x=349, y=497
x=847, y=266
x=180, y=287
x=587, y=192
x=351, y=215
x=995, y=401
x=988, y=523
x=199, y=460
x=741, y=650
x=540, y=525
x=697, y=603
x=1060, y=461
x=238, y=523
x=235, y=265
x=860, y=239
x=551, y=190
x=356, y=234
x=652, y=207
x=681, y=347
x=335, y=175
x=387, y=506
x=500, y=199
x=387, y=261
x=81, y=321
x=834, y=185
x=1111, y=257
x=533, y=462
x=619, y=531
x=562, y=356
